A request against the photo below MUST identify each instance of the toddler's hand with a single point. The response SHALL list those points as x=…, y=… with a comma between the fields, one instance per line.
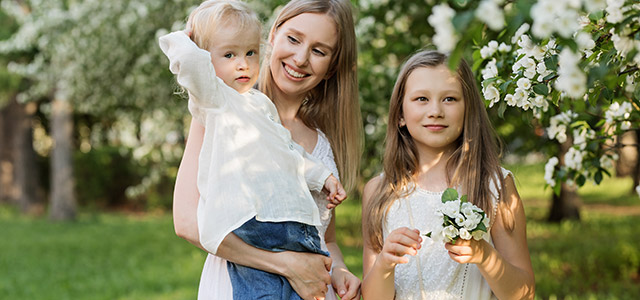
x=335, y=192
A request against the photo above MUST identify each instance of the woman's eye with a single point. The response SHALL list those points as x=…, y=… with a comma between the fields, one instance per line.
x=292, y=39
x=318, y=52
x=422, y=99
x=228, y=55
x=449, y=99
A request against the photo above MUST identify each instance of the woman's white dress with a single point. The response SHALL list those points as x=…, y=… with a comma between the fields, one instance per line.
x=442, y=278
x=214, y=281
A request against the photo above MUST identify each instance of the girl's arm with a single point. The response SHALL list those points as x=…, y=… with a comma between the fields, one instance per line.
x=378, y=267
x=307, y=273
x=344, y=282
x=507, y=267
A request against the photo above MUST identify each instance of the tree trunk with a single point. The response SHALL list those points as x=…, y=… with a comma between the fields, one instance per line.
x=27, y=175
x=628, y=155
x=565, y=206
x=8, y=125
x=63, y=201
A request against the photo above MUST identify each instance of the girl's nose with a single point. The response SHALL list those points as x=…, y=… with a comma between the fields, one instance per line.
x=434, y=109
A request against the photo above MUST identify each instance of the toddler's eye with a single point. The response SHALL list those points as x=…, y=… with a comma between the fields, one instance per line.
x=251, y=53
x=228, y=55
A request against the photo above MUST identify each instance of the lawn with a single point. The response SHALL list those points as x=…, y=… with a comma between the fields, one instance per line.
x=126, y=256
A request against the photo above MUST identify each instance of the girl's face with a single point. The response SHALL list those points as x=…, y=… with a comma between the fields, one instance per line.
x=302, y=49
x=433, y=107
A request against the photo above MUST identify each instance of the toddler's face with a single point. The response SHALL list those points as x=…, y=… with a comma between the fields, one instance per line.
x=235, y=56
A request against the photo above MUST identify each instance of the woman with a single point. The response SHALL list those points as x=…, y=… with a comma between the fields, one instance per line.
x=310, y=73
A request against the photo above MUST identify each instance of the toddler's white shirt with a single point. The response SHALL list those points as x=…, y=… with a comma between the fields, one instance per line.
x=249, y=165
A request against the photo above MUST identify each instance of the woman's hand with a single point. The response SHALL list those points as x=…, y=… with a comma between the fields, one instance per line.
x=467, y=251
x=345, y=283
x=307, y=273
x=400, y=242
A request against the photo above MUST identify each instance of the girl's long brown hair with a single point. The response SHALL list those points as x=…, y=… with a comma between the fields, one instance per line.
x=475, y=163
x=333, y=105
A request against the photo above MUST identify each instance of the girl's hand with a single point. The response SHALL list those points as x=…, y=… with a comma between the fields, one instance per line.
x=400, y=242
x=335, y=192
x=307, y=273
x=467, y=251
x=345, y=283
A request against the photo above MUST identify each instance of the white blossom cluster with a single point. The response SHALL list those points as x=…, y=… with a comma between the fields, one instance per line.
x=491, y=14
x=460, y=219
x=549, y=170
x=558, y=125
x=528, y=70
x=571, y=79
x=559, y=16
x=623, y=41
x=446, y=37
x=618, y=113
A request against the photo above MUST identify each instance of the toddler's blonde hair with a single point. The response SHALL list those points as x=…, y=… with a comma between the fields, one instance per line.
x=211, y=14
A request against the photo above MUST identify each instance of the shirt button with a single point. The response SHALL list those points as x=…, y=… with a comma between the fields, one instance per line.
x=290, y=146
x=272, y=118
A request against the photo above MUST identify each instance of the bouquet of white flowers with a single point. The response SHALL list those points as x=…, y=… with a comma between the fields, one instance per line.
x=460, y=219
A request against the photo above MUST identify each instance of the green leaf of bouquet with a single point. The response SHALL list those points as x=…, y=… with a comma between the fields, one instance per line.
x=428, y=234
x=481, y=227
x=463, y=199
x=449, y=195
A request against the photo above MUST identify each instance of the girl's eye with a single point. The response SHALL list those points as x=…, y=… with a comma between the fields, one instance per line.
x=422, y=99
x=449, y=99
x=292, y=39
x=251, y=53
x=318, y=52
x=228, y=55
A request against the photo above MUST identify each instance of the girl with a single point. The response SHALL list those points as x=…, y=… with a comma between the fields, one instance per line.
x=439, y=136
x=309, y=73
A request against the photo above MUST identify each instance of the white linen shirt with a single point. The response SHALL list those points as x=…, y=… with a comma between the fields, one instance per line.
x=248, y=165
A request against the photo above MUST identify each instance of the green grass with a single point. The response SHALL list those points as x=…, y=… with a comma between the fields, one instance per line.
x=118, y=256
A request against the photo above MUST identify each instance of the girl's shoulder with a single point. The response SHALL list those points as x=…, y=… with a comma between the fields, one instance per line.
x=371, y=187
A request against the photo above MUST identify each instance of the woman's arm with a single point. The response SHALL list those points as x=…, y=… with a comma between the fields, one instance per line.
x=185, y=193
x=307, y=273
x=507, y=267
x=344, y=282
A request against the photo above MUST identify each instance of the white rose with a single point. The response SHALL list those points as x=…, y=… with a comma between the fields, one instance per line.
x=450, y=232
x=459, y=219
x=464, y=234
x=478, y=235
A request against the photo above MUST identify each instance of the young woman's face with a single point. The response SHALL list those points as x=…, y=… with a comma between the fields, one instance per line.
x=433, y=107
x=302, y=49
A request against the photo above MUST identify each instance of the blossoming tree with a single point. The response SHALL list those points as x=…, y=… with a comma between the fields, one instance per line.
x=572, y=65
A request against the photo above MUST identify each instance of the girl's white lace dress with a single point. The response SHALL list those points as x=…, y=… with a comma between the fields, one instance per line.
x=214, y=281
x=432, y=274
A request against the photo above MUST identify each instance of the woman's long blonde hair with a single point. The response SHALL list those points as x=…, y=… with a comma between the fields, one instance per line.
x=333, y=105
x=474, y=164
